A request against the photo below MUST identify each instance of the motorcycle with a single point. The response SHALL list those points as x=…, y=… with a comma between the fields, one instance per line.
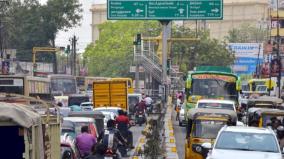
x=140, y=117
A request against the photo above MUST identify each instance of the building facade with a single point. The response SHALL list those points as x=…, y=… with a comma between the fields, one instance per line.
x=99, y=16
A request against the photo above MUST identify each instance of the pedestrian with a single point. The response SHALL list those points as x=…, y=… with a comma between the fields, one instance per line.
x=178, y=107
x=84, y=142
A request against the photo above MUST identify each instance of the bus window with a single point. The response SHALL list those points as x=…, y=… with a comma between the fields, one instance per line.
x=9, y=85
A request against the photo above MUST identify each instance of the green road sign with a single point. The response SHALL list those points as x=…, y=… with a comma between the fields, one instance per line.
x=165, y=9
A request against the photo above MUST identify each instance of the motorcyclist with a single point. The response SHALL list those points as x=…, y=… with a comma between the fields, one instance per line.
x=99, y=151
x=84, y=142
x=123, y=126
x=148, y=102
x=280, y=136
x=141, y=106
x=111, y=137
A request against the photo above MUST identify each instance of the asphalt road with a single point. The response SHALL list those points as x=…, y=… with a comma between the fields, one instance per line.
x=179, y=133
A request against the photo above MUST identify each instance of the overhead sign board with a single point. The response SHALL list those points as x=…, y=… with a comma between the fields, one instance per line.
x=165, y=9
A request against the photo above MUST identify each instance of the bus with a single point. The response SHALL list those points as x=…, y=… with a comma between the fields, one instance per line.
x=63, y=84
x=258, y=86
x=129, y=83
x=211, y=82
x=26, y=85
x=81, y=83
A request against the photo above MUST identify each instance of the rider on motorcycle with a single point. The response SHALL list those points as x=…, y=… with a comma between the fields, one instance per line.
x=148, y=102
x=123, y=126
x=111, y=137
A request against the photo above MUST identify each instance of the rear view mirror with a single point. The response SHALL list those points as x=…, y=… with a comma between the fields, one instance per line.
x=207, y=145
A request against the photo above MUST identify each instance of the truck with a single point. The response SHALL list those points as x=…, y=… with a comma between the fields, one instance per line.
x=32, y=131
x=110, y=94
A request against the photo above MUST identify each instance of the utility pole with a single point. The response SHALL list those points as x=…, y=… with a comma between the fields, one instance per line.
x=165, y=56
x=73, y=55
x=278, y=54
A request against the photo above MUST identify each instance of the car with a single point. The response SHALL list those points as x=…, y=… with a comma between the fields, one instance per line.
x=108, y=109
x=108, y=115
x=235, y=142
x=181, y=118
x=87, y=106
x=216, y=104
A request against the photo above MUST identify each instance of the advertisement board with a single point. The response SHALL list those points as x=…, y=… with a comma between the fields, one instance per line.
x=247, y=57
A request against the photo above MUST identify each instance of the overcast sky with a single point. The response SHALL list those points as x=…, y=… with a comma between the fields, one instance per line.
x=84, y=31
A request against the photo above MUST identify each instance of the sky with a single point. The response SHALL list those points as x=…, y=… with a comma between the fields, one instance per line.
x=83, y=32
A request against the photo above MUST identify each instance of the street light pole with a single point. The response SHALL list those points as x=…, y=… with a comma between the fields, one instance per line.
x=278, y=54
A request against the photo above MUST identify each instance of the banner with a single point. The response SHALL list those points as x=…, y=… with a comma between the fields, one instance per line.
x=251, y=50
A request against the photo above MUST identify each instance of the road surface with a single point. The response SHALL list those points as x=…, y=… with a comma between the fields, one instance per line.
x=179, y=133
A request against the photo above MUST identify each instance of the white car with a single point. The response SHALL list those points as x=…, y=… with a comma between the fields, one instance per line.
x=216, y=104
x=234, y=142
x=87, y=106
x=108, y=109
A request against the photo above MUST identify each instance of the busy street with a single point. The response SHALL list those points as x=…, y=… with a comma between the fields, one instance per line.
x=142, y=79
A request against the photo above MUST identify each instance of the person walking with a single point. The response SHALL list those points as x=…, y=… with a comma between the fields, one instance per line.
x=178, y=107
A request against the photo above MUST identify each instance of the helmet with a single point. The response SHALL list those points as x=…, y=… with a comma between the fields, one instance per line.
x=280, y=131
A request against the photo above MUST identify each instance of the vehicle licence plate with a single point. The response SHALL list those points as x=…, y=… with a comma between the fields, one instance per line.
x=140, y=116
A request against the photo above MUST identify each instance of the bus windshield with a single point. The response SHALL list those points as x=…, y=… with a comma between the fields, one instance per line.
x=64, y=85
x=214, y=88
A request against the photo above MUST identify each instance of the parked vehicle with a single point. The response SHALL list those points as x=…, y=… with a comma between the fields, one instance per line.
x=244, y=142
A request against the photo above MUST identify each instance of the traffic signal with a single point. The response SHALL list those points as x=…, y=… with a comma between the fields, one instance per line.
x=169, y=61
x=137, y=40
x=67, y=50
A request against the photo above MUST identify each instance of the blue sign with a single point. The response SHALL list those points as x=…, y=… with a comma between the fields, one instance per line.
x=246, y=65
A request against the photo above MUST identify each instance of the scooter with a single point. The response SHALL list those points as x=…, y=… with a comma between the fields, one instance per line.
x=140, y=117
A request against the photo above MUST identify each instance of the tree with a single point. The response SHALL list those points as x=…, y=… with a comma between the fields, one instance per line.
x=205, y=51
x=246, y=33
x=29, y=24
x=113, y=53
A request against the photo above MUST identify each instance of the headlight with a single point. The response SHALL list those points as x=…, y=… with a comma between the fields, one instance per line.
x=198, y=149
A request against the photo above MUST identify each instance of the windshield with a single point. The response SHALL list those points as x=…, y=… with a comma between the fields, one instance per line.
x=214, y=88
x=67, y=86
x=255, y=84
x=261, y=88
x=216, y=106
x=207, y=129
x=247, y=142
x=272, y=120
x=69, y=132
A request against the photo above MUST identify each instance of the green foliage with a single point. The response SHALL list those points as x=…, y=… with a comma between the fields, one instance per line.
x=247, y=33
x=206, y=51
x=153, y=148
x=113, y=53
x=28, y=24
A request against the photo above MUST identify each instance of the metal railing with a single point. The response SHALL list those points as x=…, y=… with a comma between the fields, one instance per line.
x=146, y=56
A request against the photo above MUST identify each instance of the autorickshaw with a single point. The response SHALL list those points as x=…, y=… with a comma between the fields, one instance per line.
x=202, y=127
x=263, y=117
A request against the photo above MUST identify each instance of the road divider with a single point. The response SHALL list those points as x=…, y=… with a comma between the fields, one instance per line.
x=170, y=142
